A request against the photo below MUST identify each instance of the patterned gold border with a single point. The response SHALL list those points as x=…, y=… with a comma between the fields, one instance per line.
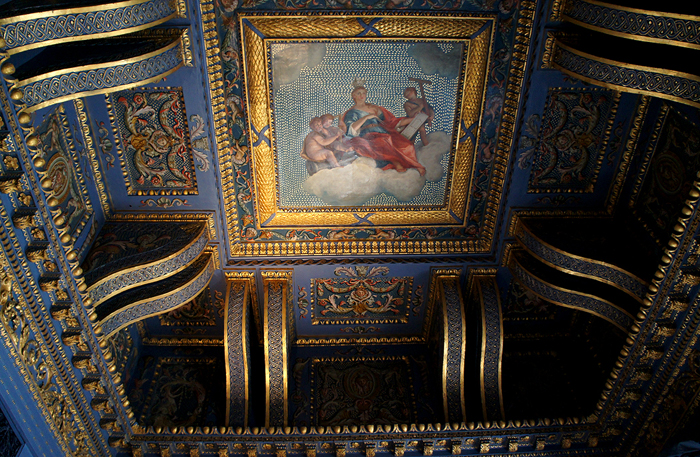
x=170, y=217
x=182, y=341
x=83, y=119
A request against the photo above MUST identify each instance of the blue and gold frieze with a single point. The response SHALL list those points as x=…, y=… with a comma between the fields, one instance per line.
x=637, y=24
x=22, y=32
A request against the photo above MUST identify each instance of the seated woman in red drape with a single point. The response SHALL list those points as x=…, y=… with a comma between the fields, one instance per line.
x=372, y=130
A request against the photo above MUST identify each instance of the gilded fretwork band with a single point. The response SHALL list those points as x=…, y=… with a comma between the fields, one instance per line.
x=152, y=306
x=668, y=84
x=636, y=24
x=580, y=266
x=29, y=31
x=491, y=348
x=236, y=345
x=453, y=350
x=71, y=83
x=276, y=346
x=571, y=299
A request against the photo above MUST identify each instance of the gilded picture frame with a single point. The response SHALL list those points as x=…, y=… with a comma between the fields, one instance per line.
x=264, y=34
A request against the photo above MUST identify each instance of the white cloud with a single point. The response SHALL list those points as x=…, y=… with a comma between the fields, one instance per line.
x=355, y=184
x=429, y=156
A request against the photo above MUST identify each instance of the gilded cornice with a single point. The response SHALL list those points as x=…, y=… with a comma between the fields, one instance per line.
x=650, y=348
x=633, y=23
x=29, y=31
x=66, y=259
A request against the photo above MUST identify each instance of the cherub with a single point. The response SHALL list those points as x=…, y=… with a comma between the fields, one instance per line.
x=414, y=105
x=316, y=144
x=339, y=146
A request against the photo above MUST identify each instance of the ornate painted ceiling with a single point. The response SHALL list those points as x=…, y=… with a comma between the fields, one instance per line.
x=334, y=228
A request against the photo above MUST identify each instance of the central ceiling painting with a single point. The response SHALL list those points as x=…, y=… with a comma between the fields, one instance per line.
x=364, y=123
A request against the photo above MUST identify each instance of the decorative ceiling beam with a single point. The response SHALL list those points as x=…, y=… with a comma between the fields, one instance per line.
x=161, y=297
x=239, y=293
x=122, y=258
x=637, y=24
x=453, y=322
x=672, y=85
x=579, y=265
x=47, y=86
x=277, y=294
x=22, y=30
x=485, y=290
x=568, y=298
